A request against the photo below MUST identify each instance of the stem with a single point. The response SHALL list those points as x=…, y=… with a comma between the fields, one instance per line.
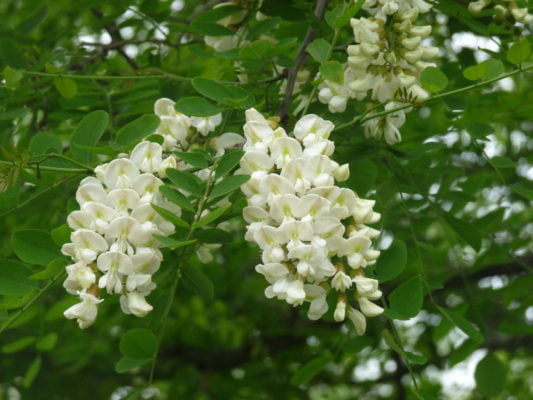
x=301, y=57
x=361, y=119
x=181, y=258
x=47, y=168
x=31, y=301
x=107, y=77
x=62, y=157
x=36, y=195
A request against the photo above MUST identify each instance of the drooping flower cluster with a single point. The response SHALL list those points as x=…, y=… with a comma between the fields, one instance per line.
x=313, y=234
x=387, y=59
x=112, y=243
x=502, y=9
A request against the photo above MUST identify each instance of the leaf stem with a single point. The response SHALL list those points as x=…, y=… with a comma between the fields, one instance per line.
x=40, y=292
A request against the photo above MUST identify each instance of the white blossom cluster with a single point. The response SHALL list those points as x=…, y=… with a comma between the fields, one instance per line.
x=387, y=59
x=313, y=234
x=112, y=242
x=502, y=9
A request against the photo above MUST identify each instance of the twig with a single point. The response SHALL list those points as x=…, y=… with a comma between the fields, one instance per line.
x=114, y=32
x=301, y=57
x=15, y=316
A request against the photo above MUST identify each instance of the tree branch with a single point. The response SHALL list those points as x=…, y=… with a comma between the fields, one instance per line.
x=301, y=57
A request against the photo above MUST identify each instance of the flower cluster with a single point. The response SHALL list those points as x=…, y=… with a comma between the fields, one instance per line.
x=502, y=10
x=112, y=242
x=313, y=234
x=387, y=59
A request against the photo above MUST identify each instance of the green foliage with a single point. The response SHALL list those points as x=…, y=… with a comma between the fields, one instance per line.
x=78, y=87
x=490, y=376
x=434, y=80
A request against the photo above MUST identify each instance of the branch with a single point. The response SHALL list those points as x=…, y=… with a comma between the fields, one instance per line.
x=114, y=32
x=362, y=119
x=301, y=57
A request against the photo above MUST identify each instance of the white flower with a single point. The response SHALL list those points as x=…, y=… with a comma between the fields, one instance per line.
x=120, y=174
x=295, y=292
x=86, y=245
x=340, y=311
x=84, y=312
x=341, y=281
x=368, y=308
x=148, y=156
x=204, y=125
x=227, y=141
x=80, y=276
x=134, y=303
x=358, y=319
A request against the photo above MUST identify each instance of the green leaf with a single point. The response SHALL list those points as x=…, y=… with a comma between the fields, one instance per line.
x=464, y=350
x=490, y=376
x=87, y=133
x=494, y=68
x=170, y=216
x=61, y=234
x=228, y=161
x=197, y=160
x=519, y=52
x=319, y=49
x=463, y=324
x=522, y=191
x=392, y=261
x=176, y=197
x=139, y=344
x=186, y=181
x=310, y=370
x=45, y=142
x=414, y=358
x=405, y=301
x=66, y=87
x=213, y=235
x=475, y=72
x=333, y=71
x=18, y=345
x=465, y=230
x=14, y=278
x=12, y=77
x=173, y=243
x=128, y=363
x=197, y=107
x=502, y=162
x=340, y=15
x=219, y=92
x=32, y=372
x=228, y=185
x=47, y=342
x=137, y=130
x=214, y=215
x=434, y=80
x=391, y=342
x=211, y=29
x=195, y=280
x=51, y=270
x=35, y=246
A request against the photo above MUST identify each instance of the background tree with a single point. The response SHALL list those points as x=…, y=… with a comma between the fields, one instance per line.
x=455, y=197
